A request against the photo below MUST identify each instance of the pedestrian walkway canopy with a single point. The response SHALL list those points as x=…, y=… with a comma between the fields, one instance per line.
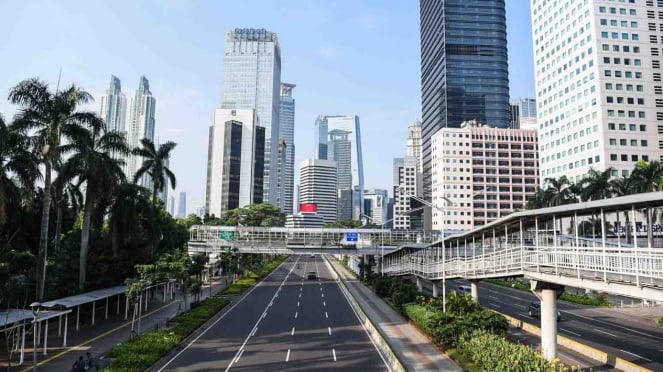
x=84, y=298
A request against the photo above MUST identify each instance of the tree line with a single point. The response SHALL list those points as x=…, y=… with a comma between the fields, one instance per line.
x=60, y=162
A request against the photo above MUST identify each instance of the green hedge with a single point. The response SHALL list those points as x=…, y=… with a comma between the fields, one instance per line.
x=495, y=353
x=143, y=351
x=600, y=299
x=253, y=276
x=660, y=321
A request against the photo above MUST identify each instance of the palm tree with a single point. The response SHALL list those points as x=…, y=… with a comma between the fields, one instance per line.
x=619, y=187
x=127, y=204
x=52, y=117
x=95, y=162
x=648, y=177
x=18, y=168
x=561, y=191
x=540, y=199
x=154, y=165
x=596, y=184
x=67, y=193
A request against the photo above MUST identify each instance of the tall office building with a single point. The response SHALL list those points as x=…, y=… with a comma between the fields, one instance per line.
x=235, y=161
x=318, y=186
x=338, y=138
x=181, y=206
x=481, y=174
x=414, y=142
x=407, y=181
x=523, y=114
x=140, y=124
x=464, y=69
x=376, y=202
x=114, y=106
x=287, y=134
x=163, y=194
x=171, y=206
x=599, y=89
x=252, y=80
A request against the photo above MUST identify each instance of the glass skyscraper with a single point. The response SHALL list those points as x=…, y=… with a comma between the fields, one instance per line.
x=252, y=80
x=140, y=124
x=464, y=68
x=287, y=134
x=114, y=106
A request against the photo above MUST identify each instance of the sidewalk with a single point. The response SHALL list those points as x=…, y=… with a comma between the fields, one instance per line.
x=103, y=336
x=413, y=349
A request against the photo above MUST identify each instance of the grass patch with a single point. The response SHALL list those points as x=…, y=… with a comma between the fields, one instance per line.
x=143, y=351
x=464, y=362
x=600, y=299
x=251, y=277
x=660, y=321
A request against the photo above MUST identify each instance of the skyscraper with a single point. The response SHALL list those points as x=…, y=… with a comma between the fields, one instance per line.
x=414, y=142
x=523, y=114
x=377, y=201
x=287, y=134
x=338, y=138
x=235, y=161
x=140, y=124
x=599, y=106
x=464, y=68
x=252, y=80
x=171, y=206
x=114, y=106
x=407, y=181
x=318, y=186
x=181, y=206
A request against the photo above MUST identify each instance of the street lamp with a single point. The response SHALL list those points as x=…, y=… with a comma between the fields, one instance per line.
x=35, y=306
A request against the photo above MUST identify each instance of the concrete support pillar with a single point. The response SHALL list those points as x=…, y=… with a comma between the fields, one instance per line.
x=548, y=294
x=436, y=288
x=419, y=285
x=474, y=290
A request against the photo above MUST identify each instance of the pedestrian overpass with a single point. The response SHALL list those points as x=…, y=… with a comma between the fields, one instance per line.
x=215, y=240
x=606, y=245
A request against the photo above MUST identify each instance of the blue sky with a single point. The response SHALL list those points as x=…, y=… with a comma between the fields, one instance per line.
x=346, y=57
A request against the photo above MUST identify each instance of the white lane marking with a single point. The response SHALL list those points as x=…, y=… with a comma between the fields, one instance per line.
x=567, y=331
x=287, y=356
x=635, y=355
x=613, y=325
x=322, y=294
x=300, y=295
x=607, y=333
x=329, y=330
x=254, y=331
x=334, y=353
x=300, y=289
x=297, y=303
x=221, y=317
x=495, y=305
x=238, y=356
x=293, y=331
x=520, y=306
x=326, y=316
x=320, y=289
x=324, y=303
x=241, y=348
x=493, y=297
x=296, y=314
x=271, y=303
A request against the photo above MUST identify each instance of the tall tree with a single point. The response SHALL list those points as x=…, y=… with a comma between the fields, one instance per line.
x=561, y=191
x=648, y=177
x=596, y=184
x=154, y=165
x=96, y=162
x=67, y=192
x=52, y=117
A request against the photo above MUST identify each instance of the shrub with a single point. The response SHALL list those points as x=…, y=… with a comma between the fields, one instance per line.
x=495, y=353
x=660, y=321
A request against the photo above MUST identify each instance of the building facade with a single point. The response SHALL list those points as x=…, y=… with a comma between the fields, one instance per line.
x=376, y=206
x=181, y=206
x=140, y=124
x=464, y=68
x=287, y=134
x=318, y=185
x=523, y=114
x=599, y=89
x=414, y=142
x=338, y=138
x=481, y=174
x=407, y=181
x=114, y=107
x=235, y=161
x=252, y=80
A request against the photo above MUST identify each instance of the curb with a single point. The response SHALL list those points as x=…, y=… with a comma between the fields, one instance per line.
x=582, y=349
x=380, y=342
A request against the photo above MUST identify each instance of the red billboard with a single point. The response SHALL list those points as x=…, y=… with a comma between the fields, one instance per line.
x=308, y=207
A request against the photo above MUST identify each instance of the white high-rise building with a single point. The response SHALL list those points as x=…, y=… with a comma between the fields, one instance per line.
x=318, y=186
x=407, y=181
x=414, y=142
x=338, y=138
x=140, y=124
x=181, y=206
x=114, y=106
x=252, y=80
x=376, y=205
x=287, y=134
x=599, y=92
x=235, y=161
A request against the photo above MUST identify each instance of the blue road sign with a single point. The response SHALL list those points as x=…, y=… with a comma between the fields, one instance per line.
x=351, y=237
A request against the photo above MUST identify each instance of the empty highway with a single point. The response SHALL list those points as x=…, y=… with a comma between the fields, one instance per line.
x=286, y=322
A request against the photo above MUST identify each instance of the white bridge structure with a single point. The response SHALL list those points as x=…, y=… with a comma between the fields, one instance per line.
x=214, y=240
x=601, y=245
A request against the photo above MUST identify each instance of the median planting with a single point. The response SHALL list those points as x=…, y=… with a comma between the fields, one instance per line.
x=600, y=299
x=252, y=276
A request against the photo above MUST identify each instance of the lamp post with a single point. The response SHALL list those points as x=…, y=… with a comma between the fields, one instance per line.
x=35, y=306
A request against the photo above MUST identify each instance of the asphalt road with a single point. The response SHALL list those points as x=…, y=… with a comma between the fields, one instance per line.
x=286, y=322
x=616, y=334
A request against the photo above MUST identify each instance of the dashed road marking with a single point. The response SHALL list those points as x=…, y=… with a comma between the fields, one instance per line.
x=287, y=356
x=292, y=333
x=297, y=303
x=324, y=303
x=635, y=355
x=567, y=331
x=607, y=333
x=329, y=330
x=296, y=315
x=326, y=316
x=496, y=305
x=334, y=353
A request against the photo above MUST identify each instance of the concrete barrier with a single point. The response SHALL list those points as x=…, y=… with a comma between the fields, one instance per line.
x=382, y=345
x=582, y=349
